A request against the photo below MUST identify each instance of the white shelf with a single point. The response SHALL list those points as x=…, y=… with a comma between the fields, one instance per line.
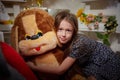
x=106, y=12
x=87, y=30
x=83, y=27
x=5, y=27
x=5, y=33
x=16, y=0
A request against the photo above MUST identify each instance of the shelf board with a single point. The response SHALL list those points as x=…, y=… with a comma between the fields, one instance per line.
x=14, y=0
x=5, y=27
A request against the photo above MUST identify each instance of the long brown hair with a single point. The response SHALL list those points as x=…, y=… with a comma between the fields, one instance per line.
x=72, y=19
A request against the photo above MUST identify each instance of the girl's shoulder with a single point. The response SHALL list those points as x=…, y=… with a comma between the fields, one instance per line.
x=83, y=39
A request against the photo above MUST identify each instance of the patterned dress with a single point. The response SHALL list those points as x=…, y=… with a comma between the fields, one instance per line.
x=95, y=58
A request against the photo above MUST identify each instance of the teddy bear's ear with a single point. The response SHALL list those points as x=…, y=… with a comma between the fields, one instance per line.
x=50, y=21
x=14, y=38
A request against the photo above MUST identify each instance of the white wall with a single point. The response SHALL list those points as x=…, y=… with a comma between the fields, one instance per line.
x=72, y=5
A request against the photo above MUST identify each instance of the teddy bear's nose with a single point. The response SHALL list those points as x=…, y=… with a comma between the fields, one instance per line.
x=36, y=36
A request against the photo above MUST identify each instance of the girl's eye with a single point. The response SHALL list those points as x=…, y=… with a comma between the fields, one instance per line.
x=69, y=30
x=60, y=29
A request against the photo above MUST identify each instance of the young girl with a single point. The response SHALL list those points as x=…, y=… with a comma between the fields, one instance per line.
x=96, y=59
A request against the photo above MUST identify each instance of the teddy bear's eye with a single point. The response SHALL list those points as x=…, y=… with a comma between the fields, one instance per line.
x=40, y=34
x=36, y=36
x=28, y=37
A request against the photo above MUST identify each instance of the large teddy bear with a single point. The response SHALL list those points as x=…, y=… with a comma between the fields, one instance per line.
x=32, y=35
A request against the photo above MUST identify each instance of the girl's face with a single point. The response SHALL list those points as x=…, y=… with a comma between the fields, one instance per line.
x=64, y=32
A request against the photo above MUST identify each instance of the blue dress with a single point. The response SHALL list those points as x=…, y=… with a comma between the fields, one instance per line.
x=95, y=58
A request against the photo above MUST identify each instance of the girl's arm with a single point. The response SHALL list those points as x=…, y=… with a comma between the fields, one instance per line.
x=64, y=66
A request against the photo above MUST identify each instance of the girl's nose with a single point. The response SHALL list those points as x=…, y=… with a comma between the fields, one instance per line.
x=63, y=33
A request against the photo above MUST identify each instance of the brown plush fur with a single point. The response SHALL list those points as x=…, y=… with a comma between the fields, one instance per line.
x=45, y=23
